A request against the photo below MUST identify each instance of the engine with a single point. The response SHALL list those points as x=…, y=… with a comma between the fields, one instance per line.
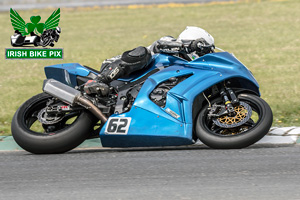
x=159, y=94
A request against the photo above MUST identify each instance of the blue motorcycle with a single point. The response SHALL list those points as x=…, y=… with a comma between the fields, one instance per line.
x=214, y=99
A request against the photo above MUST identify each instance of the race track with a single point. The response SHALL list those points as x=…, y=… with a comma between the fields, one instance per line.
x=258, y=172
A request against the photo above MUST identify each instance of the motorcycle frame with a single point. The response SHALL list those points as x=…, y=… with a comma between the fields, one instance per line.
x=172, y=125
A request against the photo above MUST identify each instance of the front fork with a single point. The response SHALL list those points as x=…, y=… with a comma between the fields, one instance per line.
x=230, y=101
x=229, y=105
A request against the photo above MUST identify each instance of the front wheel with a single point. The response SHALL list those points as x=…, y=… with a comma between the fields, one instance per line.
x=57, y=135
x=251, y=121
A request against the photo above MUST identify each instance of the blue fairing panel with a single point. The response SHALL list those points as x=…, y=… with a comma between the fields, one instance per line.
x=224, y=63
x=148, y=129
x=180, y=98
x=66, y=73
x=152, y=125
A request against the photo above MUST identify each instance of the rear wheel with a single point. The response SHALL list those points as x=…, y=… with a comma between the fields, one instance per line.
x=35, y=42
x=251, y=121
x=36, y=133
x=45, y=40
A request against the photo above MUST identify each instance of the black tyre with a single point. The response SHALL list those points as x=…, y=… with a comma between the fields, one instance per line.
x=35, y=42
x=12, y=44
x=59, y=137
x=247, y=133
x=45, y=41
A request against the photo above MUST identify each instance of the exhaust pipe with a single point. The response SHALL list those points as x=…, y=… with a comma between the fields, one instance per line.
x=71, y=96
x=91, y=107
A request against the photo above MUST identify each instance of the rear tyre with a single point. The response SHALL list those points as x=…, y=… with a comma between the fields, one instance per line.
x=35, y=42
x=238, y=137
x=59, y=137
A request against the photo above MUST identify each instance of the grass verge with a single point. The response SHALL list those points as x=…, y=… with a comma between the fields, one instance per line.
x=264, y=35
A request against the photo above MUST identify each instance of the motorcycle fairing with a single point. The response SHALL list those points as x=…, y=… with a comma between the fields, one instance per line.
x=152, y=125
x=172, y=124
x=148, y=129
x=67, y=73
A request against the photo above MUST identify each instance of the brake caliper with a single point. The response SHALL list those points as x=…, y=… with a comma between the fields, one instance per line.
x=233, y=113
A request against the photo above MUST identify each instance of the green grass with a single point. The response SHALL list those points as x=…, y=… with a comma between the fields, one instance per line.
x=264, y=36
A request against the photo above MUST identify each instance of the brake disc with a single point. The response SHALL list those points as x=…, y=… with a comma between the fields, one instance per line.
x=242, y=114
x=47, y=119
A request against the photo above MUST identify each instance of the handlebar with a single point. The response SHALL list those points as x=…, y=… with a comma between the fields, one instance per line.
x=199, y=45
x=186, y=47
x=168, y=44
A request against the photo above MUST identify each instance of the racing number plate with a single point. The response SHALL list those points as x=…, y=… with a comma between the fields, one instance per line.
x=118, y=125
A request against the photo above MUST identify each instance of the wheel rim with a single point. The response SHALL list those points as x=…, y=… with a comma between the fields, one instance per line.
x=241, y=114
x=30, y=119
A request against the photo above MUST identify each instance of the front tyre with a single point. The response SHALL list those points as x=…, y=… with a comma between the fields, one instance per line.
x=244, y=134
x=59, y=137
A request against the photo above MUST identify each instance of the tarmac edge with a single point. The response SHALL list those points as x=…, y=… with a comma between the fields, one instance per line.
x=276, y=135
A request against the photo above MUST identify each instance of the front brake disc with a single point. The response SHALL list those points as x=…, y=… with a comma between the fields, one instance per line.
x=242, y=114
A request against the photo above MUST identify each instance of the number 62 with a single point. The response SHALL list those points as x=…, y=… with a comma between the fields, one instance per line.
x=118, y=125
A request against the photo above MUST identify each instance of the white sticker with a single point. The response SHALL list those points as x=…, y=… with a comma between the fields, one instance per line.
x=118, y=125
x=171, y=112
x=113, y=73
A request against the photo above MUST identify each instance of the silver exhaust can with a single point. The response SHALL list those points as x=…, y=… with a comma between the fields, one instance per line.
x=60, y=91
x=69, y=95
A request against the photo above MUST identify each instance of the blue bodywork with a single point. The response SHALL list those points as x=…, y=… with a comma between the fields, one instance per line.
x=150, y=124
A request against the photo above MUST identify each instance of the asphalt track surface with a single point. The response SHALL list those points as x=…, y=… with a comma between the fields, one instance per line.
x=258, y=172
